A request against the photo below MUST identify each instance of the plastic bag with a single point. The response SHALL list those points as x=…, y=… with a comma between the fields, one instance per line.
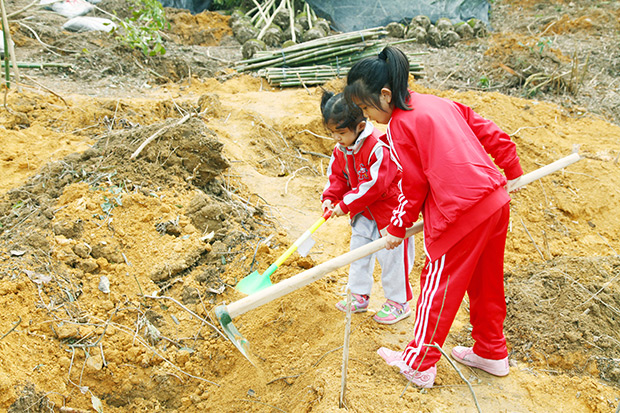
x=72, y=8
x=89, y=24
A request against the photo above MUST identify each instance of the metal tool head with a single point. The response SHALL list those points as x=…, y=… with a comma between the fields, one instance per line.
x=254, y=283
x=221, y=312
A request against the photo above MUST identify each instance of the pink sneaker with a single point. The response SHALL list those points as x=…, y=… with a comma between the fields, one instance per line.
x=424, y=379
x=359, y=303
x=466, y=355
x=392, y=312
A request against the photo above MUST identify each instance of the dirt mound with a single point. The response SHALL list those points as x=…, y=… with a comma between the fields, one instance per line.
x=582, y=298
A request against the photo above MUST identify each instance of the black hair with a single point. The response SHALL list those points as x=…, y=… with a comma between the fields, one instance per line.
x=389, y=69
x=336, y=110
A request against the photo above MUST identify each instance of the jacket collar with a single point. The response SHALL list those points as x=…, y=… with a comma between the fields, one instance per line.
x=359, y=142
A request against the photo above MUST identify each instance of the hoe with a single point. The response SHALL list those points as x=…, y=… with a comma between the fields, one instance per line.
x=226, y=313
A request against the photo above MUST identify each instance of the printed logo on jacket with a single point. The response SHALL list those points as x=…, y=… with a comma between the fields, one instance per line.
x=362, y=173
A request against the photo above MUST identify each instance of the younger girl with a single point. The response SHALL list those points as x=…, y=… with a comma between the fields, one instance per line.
x=363, y=182
x=443, y=148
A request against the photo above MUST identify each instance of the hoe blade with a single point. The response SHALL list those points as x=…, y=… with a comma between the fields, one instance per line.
x=231, y=331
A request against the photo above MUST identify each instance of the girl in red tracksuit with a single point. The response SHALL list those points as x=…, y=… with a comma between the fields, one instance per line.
x=443, y=148
x=363, y=182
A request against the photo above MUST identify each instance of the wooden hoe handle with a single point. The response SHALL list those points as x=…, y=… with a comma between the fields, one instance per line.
x=306, y=277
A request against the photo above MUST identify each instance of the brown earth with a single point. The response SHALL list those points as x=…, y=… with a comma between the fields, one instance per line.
x=232, y=178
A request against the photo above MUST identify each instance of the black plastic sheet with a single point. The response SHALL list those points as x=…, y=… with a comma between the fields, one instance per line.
x=194, y=6
x=352, y=15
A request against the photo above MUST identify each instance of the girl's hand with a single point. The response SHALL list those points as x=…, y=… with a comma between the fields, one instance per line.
x=511, y=184
x=327, y=205
x=392, y=241
x=337, y=211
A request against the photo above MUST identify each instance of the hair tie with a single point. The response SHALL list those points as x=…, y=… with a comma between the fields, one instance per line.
x=383, y=55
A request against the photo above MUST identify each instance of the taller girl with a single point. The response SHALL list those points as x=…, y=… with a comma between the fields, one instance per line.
x=443, y=148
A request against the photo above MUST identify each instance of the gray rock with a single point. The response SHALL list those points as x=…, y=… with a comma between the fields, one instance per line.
x=443, y=24
x=464, y=30
x=396, y=29
x=449, y=38
x=417, y=33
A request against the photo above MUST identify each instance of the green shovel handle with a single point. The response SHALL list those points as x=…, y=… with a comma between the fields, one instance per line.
x=297, y=243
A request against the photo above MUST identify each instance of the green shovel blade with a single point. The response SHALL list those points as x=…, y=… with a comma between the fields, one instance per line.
x=254, y=283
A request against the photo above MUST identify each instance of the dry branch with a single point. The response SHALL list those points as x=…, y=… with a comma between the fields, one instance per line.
x=158, y=133
x=12, y=328
x=471, y=389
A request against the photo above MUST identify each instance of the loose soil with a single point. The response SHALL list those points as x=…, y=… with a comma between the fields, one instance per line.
x=114, y=253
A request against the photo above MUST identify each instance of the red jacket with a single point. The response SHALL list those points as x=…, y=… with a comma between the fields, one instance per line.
x=363, y=178
x=448, y=176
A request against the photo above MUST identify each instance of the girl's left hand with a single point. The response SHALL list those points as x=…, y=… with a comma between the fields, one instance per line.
x=392, y=241
x=337, y=211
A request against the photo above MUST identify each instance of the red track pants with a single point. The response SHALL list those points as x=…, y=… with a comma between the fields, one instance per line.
x=474, y=265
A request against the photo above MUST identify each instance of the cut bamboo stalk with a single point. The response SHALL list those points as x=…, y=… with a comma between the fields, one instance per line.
x=291, y=9
x=10, y=49
x=345, y=350
x=268, y=22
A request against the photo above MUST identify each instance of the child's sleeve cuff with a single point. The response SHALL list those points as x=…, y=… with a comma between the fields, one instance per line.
x=399, y=232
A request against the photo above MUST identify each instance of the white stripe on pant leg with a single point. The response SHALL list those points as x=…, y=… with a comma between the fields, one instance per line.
x=420, y=310
x=428, y=305
x=436, y=279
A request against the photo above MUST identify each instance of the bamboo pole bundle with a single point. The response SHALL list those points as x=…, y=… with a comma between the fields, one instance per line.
x=314, y=48
x=315, y=75
x=317, y=61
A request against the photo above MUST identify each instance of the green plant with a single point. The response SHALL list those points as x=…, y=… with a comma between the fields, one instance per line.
x=484, y=82
x=141, y=30
x=542, y=43
x=109, y=203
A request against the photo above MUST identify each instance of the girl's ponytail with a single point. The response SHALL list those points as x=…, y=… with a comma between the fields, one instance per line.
x=327, y=95
x=397, y=66
x=390, y=69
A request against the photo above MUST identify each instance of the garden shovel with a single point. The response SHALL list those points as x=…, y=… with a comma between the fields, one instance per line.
x=256, y=281
x=226, y=313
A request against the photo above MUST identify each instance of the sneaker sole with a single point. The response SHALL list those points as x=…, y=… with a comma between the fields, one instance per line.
x=359, y=310
x=480, y=367
x=389, y=322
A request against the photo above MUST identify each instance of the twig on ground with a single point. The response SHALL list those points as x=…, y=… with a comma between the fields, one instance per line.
x=325, y=137
x=300, y=79
x=471, y=389
x=46, y=89
x=322, y=155
x=345, y=351
x=15, y=13
x=587, y=292
x=140, y=340
x=158, y=133
x=293, y=176
x=45, y=45
x=12, y=328
x=532, y=239
x=524, y=127
x=284, y=378
x=607, y=243
x=323, y=356
x=598, y=292
x=163, y=297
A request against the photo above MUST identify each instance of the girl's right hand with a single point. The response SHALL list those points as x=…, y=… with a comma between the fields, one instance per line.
x=337, y=212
